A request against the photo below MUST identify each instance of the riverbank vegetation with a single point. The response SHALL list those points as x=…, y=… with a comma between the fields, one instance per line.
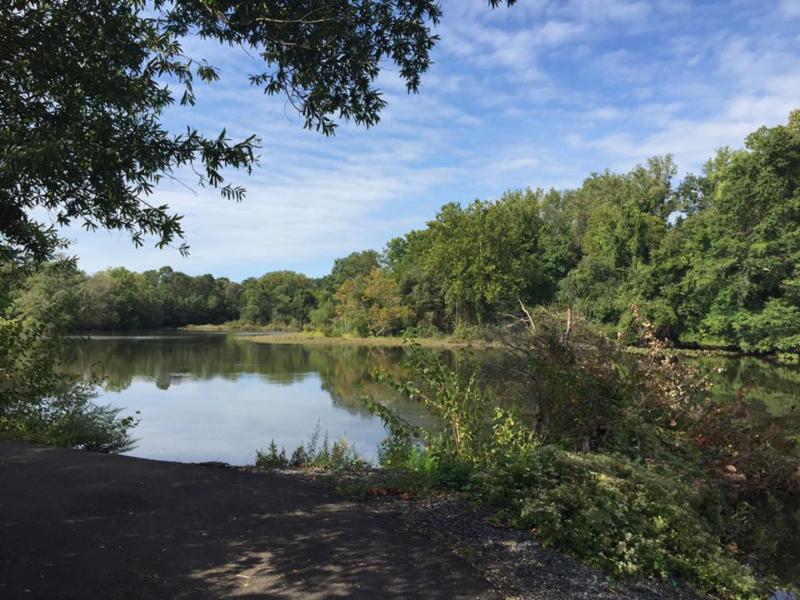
x=39, y=402
x=626, y=464
x=317, y=453
x=317, y=338
x=710, y=260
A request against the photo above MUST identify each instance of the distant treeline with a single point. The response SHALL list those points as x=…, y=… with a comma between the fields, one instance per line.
x=713, y=259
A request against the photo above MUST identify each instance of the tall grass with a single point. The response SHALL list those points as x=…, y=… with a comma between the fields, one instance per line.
x=317, y=453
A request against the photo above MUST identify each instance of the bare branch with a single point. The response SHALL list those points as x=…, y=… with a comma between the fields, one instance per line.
x=528, y=315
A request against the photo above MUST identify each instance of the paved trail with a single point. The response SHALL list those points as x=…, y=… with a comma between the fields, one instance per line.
x=77, y=525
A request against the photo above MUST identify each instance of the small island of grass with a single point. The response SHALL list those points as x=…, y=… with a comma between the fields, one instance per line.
x=320, y=339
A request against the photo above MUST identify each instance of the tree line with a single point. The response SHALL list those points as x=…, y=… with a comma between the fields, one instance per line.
x=710, y=260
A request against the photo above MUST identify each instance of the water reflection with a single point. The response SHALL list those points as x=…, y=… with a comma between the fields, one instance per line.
x=773, y=384
x=216, y=397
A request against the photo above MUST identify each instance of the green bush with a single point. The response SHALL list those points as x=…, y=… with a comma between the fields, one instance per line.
x=624, y=463
x=272, y=458
x=625, y=518
x=316, y=453
x=40, y=403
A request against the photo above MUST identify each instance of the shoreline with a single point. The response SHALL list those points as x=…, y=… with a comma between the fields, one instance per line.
x=263, y=334
x=261, y=532
x=445, y=343
x=305, y=339
x=229, y=328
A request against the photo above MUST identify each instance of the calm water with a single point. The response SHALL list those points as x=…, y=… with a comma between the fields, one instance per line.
x=205, y=397
x=208, y=397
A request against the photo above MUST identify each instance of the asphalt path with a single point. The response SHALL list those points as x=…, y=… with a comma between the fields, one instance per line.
x=79, y=525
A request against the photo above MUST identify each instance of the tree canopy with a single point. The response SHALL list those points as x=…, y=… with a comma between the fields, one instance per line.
x=84, y=85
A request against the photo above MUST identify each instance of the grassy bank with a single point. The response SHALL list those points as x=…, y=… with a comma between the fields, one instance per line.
x=276, y=333
x=237, y=326
x=319, y=339
x=278, y=337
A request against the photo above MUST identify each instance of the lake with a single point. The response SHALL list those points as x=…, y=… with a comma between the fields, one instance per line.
x=209, y=397
x=214, y=397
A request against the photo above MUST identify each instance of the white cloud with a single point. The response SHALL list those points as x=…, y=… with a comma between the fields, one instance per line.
x=623, y=66
x=790, y=8
x=555, y=33
x=540, y=94
x=623, y=11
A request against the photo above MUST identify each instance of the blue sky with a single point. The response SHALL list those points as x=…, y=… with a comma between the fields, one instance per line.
x=538, y=95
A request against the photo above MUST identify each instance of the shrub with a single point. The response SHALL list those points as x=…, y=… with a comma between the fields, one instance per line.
x=626, y=518
x=626, y=463
x=340, y=456
x=272, y=458
x=423, y=329
x=41, y=403
x=772, y=328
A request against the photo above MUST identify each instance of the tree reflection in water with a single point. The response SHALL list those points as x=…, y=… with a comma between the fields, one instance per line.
x=310, y=382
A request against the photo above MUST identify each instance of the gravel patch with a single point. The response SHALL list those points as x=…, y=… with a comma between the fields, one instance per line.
x=513, y=561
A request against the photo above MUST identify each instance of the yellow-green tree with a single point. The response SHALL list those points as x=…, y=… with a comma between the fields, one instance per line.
x=371, y=304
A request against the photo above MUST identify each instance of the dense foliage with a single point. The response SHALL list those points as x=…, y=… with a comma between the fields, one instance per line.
x=731, y=268
x=281, y=297
x=84, y=85
x=40, y=403
x=711, y=260
x=62, y=296
x=626, y=463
